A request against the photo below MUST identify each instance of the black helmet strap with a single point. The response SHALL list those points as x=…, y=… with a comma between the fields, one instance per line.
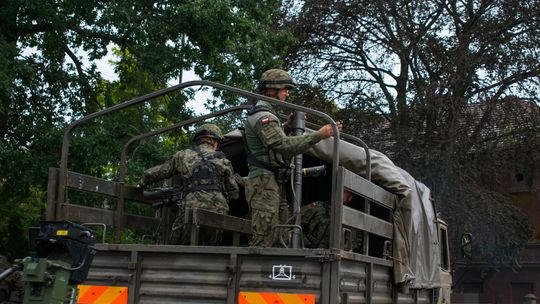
x=264, y=83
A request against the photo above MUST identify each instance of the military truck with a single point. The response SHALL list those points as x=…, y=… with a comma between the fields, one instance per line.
x=403, y=257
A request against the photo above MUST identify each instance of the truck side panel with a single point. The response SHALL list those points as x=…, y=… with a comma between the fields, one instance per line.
x=284, y=274
x=357, y=277
x=183, y=274
x=110, y=268
x=185, y=277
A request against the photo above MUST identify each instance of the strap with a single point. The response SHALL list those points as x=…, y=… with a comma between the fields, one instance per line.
x=199, y=151
x=211, y=187
x=263, y=83
x=254, y=109
x=252, y=160
x=216, y=154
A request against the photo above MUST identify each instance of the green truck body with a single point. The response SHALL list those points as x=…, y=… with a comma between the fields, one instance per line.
x=236, y=273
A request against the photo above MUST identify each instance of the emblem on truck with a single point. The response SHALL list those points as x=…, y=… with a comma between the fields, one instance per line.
x=282, y=272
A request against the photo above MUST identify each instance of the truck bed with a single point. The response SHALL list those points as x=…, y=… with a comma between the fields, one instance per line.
x=198, y=274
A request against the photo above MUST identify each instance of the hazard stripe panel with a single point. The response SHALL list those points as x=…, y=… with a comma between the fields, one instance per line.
x=94, y=294
x=275, y=298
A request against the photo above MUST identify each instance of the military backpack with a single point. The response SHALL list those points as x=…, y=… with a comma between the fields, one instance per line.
x=204, y=174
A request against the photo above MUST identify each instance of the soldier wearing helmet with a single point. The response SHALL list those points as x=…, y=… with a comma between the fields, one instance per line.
x=269, y=152
x=206, y=179
x=276, y=79
x=208, y=133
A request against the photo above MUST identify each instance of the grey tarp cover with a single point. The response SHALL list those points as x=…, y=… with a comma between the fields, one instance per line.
x=415, y=251
x=415, y=231
x=425, y=252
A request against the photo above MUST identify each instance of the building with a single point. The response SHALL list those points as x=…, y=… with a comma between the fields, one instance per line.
x=507, y=286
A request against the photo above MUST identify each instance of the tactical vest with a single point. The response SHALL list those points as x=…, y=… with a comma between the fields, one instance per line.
x=204, y=174
x=260, y=159
x=256, y=153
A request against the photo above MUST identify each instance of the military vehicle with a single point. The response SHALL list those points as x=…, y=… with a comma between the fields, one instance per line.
x=403, y=257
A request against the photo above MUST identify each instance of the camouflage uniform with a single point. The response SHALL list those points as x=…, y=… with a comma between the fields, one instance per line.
x=270, y=149
x=316, y=227
x=182, y=166
x=315, y=224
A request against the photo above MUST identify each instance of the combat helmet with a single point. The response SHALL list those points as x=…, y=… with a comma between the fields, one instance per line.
x=208, y=131
x=276, y=79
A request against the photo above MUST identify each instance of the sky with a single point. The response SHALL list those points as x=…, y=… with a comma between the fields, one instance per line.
x=107, y=72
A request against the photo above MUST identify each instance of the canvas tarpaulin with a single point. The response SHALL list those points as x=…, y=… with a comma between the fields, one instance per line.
x=425, y=256
x=415, y=253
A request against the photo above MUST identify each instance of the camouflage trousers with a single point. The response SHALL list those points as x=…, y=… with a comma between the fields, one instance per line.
x=208, y=200
x=269, y=208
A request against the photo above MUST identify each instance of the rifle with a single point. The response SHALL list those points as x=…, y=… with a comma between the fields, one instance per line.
x=164, y=197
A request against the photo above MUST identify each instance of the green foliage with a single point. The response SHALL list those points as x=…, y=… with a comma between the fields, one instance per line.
x=48, y=78
x=21, y=213
x=314, y=98
x=129, y=236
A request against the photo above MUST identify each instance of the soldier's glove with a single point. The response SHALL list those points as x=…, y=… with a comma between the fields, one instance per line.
x=239, y=180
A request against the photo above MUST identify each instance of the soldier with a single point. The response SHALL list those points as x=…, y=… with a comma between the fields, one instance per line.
x=316, y=224
x=207, y=181
x=269, y=151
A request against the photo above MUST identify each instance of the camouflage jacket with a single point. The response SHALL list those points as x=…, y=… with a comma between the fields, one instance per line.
x=316, y=227
x=267, y=141
x=315, y=223
x=181, y=166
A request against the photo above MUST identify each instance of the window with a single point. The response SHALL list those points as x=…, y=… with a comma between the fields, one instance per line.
x=443, y=239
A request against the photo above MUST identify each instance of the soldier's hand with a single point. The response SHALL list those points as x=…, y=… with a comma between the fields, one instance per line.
x=327, y=131
x=239, y=180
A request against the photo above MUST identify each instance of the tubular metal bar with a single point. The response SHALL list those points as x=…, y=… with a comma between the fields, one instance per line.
x=6, y=273
x=73, y=125
x=299, y=126
x=335, y=234
x=353, y=139
x=123, y=159
x=336, y=218
x=103, y=227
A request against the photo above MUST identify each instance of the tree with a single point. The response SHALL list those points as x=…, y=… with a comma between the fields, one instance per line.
x=48, y=76
x=422, y=69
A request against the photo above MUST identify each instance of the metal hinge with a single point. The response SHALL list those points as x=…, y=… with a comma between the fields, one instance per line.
x=326, y=256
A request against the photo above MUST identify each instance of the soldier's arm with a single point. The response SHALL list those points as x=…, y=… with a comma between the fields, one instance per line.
x=160, y=172
x=272, y=136
x=229, y=181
